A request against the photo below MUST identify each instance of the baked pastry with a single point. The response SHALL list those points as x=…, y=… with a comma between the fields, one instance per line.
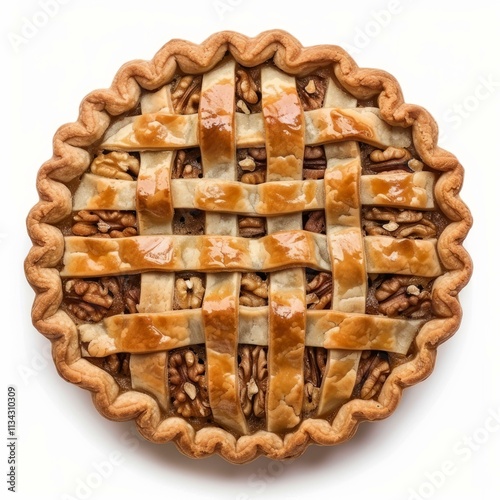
x=247, y=246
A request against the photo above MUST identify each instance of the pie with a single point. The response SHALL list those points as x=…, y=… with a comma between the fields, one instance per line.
x=248, y=246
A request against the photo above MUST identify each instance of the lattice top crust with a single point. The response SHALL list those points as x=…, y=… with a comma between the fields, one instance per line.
x=249, y=244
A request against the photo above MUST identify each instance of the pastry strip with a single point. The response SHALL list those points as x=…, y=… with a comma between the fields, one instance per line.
x=100, y=193
x=268, y=199
x=91, y=256
x=149, y=371
x=154, y=131
x=324, y=328
x=220, y=305
x=331, y=124
x=345, y=243
x=284, y=127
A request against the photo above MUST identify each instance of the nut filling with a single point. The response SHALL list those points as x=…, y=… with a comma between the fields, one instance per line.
x=253, y=379
x=400, y=296
x=186, y=94
x=104, y=223
x=188, y=389
x=92, y=300
x=314, y=369
x=250, y=239
x=388, y=295
x=372, y=373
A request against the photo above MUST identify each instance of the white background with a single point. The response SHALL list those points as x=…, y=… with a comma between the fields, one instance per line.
x=443, y=441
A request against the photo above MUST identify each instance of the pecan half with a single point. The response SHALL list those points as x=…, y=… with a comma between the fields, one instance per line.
x=252, y=227
x=319, y=291
x=104, y=223
x=315, y=222
x=257, y=177
x=372, y=373
x=390, y=153
x=186, y=94
x=314, y=369
x=117, y=364
x=115, y=165
x=314, y=162
x=252, y=373
x=188, y=390
x=390, y=159
x=254, y=290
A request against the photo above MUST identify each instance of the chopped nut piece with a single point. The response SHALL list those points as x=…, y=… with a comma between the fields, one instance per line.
x=252, y=389
x=115, y=165
x=413, y=290
x=391, y=159
x=314, y=162
x=310, y=88
x=247, y=164
x=391, y=226
x=92, y=292
x=190, y=390
x=393, y=214
x=242, y=105
x=426, y=229
x=416, y=165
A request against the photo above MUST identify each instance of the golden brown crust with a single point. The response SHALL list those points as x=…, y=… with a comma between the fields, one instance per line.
x=70, y=160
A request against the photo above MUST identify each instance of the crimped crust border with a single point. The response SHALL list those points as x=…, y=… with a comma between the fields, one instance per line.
x=70, y=159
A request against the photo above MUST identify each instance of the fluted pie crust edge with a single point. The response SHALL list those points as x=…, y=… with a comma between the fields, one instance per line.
x=70, y=159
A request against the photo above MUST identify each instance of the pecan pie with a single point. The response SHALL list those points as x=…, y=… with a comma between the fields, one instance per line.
x=248, y=246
